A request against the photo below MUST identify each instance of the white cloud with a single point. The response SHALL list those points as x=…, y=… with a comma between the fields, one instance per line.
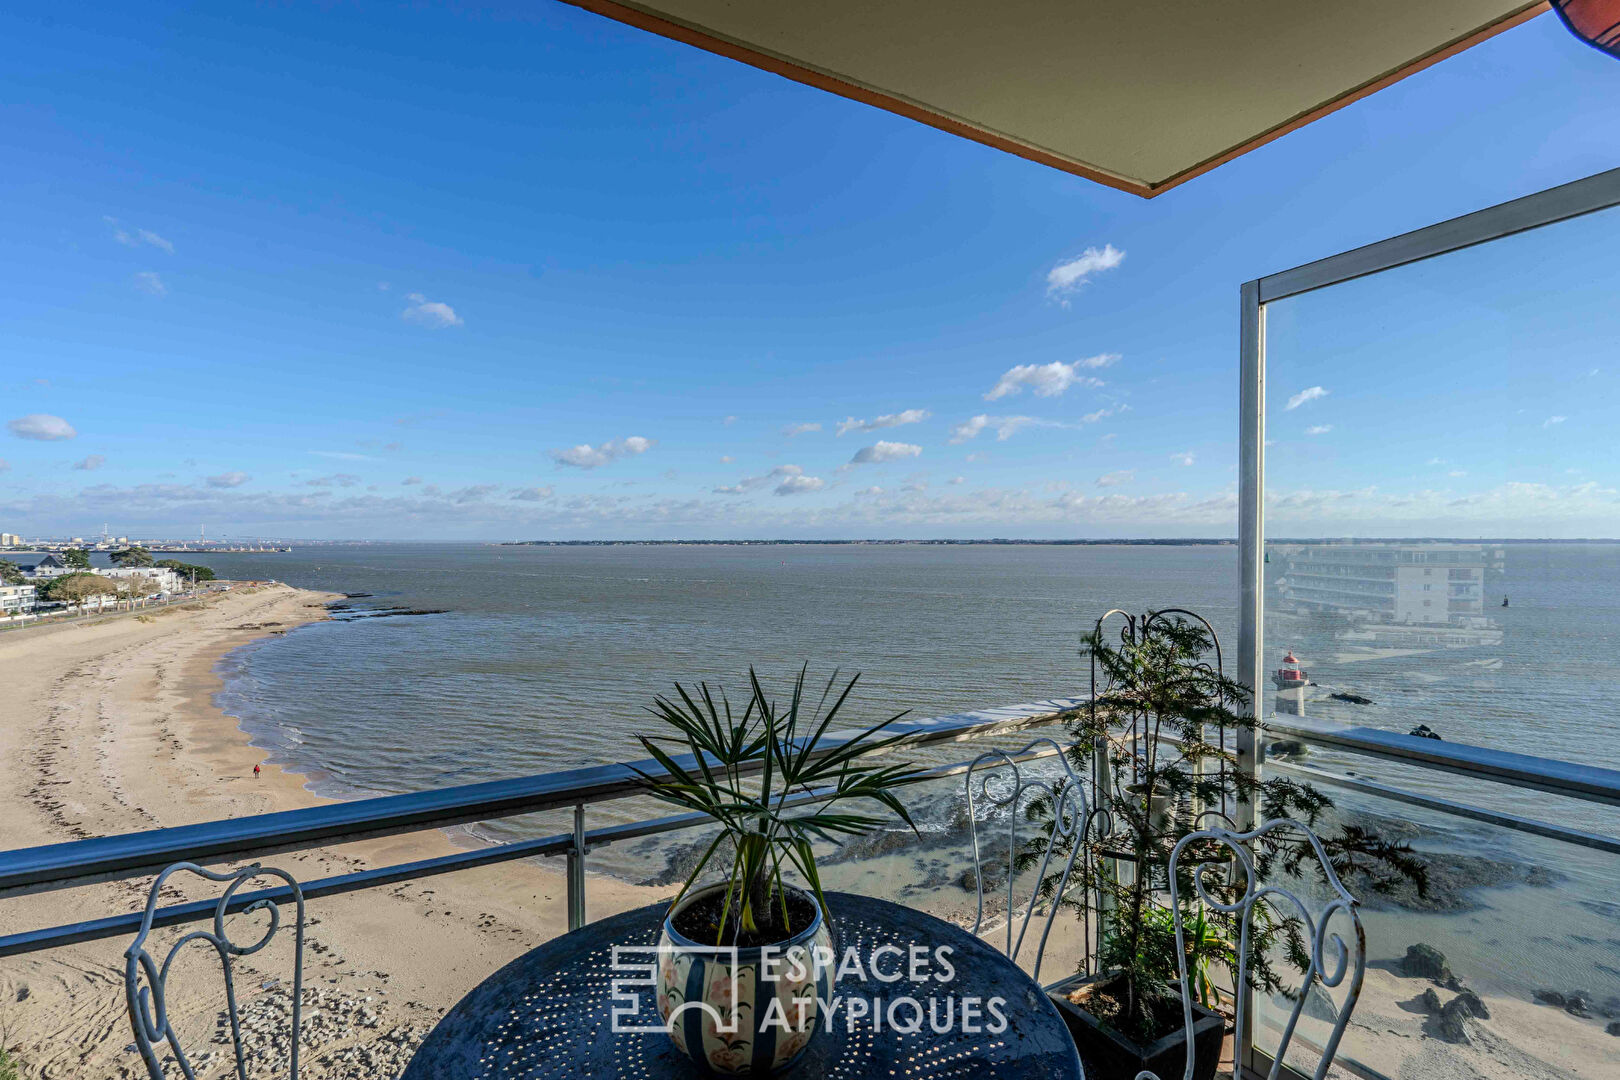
x=1553, y=421
x=335, y=480
x=1068, y=277
x=884, y=451
x=41, y=426
x=1114, y=479
x=149, y=237
x=869, y=492
x=342, y=455
x=1047, y=380
x=1185, y=457
x=1457, y=472
x=148, y=282
x=728, y=421
x=789, y=480
x=800, y=485
x=1008, y=426
x=586, y=456
x=1104, y=413
x=94, y=461
x=1319, y=429
x=5, y=465
x=726, y=459
x=430, y=313
x=910, y=416
x=533, y=494
x=969, y=428
x=138, y=237
x=1101, y=360
x=1310, y=393
x=411, y=481
x=800, y=429
x=228, y=480
x=958, y=480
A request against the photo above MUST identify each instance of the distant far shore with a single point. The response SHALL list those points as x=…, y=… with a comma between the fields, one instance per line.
x=1145, y=541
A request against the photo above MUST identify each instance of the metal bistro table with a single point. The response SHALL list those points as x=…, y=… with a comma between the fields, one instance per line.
x=549, y=1012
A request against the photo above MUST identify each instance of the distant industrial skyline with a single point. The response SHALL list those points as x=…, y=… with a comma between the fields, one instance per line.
x=536, y=275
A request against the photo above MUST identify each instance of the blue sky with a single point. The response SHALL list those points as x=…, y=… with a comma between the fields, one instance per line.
x=526, y=273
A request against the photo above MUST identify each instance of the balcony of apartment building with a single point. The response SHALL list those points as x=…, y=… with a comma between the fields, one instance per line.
x=1520, y=837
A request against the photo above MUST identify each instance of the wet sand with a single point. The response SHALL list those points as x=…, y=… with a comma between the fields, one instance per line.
x=111, y=728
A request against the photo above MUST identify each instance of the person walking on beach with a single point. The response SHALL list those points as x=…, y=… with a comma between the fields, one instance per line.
x=255, y=770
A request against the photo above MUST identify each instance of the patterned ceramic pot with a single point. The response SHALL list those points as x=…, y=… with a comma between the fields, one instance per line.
x=744, y=1011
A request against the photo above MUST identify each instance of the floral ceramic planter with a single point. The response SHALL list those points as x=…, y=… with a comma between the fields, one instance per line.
x=744, y=1011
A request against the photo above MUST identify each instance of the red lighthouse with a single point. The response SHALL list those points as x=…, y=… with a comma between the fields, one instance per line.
x=1290, y=676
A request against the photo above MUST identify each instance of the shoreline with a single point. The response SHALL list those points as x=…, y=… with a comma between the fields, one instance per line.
x=117, y=730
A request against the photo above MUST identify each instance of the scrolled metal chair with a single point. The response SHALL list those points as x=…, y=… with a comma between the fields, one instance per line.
x=148, y=1005
x=1071, y=817
x=1346, y=960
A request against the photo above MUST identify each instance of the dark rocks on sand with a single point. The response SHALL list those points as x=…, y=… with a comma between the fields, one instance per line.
x=1610, y=1009
x=1471, y=1004
x=1354, y=699
x=1551, y=997
x=1614, y=1028
x=1448, y=1018
x=1423, y=731
x=1425, y=962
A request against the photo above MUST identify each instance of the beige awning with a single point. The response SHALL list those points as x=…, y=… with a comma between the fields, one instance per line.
x=1140, y=95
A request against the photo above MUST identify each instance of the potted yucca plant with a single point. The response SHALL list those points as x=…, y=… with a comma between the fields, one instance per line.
x=744, y=768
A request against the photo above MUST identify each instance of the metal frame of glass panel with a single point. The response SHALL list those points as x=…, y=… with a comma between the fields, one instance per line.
x=1600, y=191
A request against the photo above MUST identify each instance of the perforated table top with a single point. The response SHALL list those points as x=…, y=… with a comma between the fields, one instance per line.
x=549, y=1012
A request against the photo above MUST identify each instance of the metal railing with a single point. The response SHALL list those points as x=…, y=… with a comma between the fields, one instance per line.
x=1585, y=783
x=79, y=862
x=57, y=866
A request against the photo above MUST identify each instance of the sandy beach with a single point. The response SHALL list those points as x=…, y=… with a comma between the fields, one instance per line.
x=110, y=728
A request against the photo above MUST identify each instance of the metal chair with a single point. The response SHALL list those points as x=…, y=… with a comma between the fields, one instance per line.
x=1346, y=960
x=148, y=1005
x=1070, y=814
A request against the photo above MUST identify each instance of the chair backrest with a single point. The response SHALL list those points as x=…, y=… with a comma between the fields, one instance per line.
x=148, y=1004
x=1345, y=961
x=1064, y=824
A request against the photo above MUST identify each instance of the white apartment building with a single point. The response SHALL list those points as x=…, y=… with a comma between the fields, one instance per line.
x=1399, y=584
x=17, y=599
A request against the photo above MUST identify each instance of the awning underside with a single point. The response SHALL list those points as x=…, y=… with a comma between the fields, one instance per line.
x=1139, y=95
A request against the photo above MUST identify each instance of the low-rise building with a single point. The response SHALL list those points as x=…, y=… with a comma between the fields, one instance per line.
x=45, y=567
x=18, y=599
x=164, y=579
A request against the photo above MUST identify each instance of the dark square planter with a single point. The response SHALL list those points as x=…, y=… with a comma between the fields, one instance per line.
x=1108, y=1054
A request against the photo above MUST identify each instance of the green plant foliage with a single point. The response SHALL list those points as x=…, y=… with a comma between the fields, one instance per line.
x=186, y=570
x=11, y=574
x=1165, y=719
x=132, y=556
x=782, y=746
x=78, y=587
x=78, y=558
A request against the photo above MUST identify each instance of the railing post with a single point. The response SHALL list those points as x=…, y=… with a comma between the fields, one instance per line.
x=576, y=871
x=1105, y=869
x=1250, y=747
